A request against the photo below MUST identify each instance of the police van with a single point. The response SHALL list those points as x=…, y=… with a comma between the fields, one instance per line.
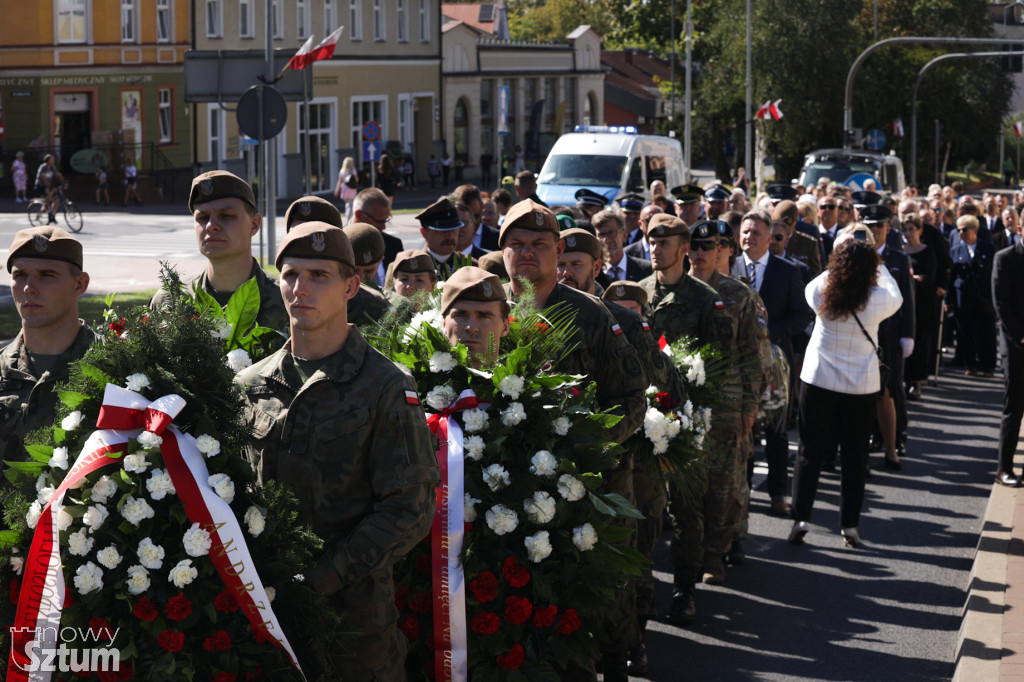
x=609, y=160
x=852, y=167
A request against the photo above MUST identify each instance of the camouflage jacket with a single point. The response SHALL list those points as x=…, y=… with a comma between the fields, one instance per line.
x=687, y=308
x=28, y=401
x=603, y=354
x=353, y=444
x=368, y=307
x=658, y=370
x=749, y=335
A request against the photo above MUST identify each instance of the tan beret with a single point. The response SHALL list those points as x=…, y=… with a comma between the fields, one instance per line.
x=528, y=215
x=316, y=240
x=367, y=243
x=305, y=209
x=412, y=261
x=219, y=184
x=494, y=263
x=666, y=225
x=49, y=241
x=472, y=284
x=626, y=291
x=578, y=239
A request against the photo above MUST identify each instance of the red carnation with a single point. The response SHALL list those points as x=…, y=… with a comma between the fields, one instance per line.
x=145, y=610
x=485, y=623
x=69, y=601
x=410, y=627
x=401, y=597
x=420, y=603
x=568, y=623
x=541, y=327
x=123, y=672
x=423, y=563
x=117, y=327
x=100, y=629
x=513, y=659
x=665, y=401
x=518, y=609
x=172, y=641
x=516, y=575
x=256, y=673
x=545, y=617
x=260, y=636
x=224, y=677
x=226, y=602
x=14, y=589
x=220, y=641
x=484, y=587
x=178, y=607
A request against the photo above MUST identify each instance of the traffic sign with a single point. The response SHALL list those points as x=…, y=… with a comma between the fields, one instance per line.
x=371, y=131
x=274, y=112
x=875, y=139
x=856, y=181
x=371, y=151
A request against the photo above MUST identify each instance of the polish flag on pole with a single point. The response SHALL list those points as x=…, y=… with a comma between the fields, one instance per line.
x=763, y=111
x=308, y=54
x=775, y=111
x=897, y=127
x=1019, y=129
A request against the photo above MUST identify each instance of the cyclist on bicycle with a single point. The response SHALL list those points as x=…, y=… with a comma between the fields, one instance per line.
x=46, y=186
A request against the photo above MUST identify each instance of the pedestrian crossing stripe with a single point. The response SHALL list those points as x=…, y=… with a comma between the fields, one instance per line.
x=616, y=329
x=411, y=398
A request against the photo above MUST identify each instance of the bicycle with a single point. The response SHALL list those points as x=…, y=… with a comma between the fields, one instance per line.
x=72, y=215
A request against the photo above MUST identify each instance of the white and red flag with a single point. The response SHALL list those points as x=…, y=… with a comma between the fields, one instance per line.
x=897, y=127
x=1018, y=128
x=763, y=111
x=308, y=54
x=769, y=109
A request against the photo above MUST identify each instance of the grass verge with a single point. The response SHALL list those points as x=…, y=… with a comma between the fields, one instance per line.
x=90, y=309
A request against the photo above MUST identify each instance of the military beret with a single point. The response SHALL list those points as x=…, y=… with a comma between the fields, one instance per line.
x=665, y=225
x=316, y=240
x=413, y=260
x=865, y=197
x=874, y=214
x=305, y=209
x=626, y=291
x=367, y=243
x=565, y=222
x=631, y=203
x=218, y=184
x=494, y=263
x=717, y=193
x=440, y=215
x=528, y=215
x=686, y=194
x=587, y=197
x=46, y=241
x=581, y=240
x=781, y=193
x=707, y=230
x=473, y=284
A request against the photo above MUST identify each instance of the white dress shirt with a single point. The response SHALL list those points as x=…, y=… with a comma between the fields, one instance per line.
x=761, y=263
x=621, y=276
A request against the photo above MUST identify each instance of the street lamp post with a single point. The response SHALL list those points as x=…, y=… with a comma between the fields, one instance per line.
x=749, y=121
x=689, y=86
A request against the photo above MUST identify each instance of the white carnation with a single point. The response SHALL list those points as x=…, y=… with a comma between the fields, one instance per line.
x=469, y=508
x=79, y=543
x=72, y=421
x=442, y=362
x=543, y=464
x=88, y=578
x=59, y=459
x=44, y=495
x=496, y=477
x=475, y=419
x=35, y=510
x=561, y=426
x=109, y=557
x=271, y=593
x=103, y=489
x=95, y=516
x=136, y=463
x=441, y=397
x=474, y=446
x=430, y=316
x=513, y=414
x=223, y=486
x=571, y=488
x=238, y=360
x=501, y=519
x=138, y=580
x=150, y=555
x=540, y=508
x=183, y=573
x=584, y=537
x=63, y=520
x=160, y=485
x=208, y=445
x=135, y=510
x=538, y=546
x=17, y=564
x=148, y=439
x=512, y=386
x=197, y=541
x=255, y=520
x=221, y=328
x=136, y=382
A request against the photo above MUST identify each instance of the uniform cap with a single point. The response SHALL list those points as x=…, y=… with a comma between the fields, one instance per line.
x=367, y=243
x=709, y=230
x=565, y=222
x=631, y=203
x=472, y=284
x=528, y=215
x=717, y=193
x=578, y=239
x=494, y=263
x=413, y=260
x=588, y=197
x=865, y=197
x=440, y=215
x=316, y=240
x=687, y=194
x=305, y=209
x=218, y=184
x=46, y=241
x=781, y=193
x=665, y=225
x=875, y=214
x=626, y=291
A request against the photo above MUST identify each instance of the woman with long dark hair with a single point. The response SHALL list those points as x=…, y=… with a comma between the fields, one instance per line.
x=840, y=377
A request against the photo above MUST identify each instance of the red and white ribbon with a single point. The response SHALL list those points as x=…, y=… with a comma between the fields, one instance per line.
x=123, y=416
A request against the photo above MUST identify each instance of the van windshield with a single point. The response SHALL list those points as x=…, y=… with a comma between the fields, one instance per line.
x=835, y=171
x=584, y=170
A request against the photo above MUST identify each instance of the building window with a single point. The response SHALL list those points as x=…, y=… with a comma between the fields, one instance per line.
x=380, y=27
x=213, y=19
x=424, y=21
x=166, y=99
x=330, y=16
x=246, y=20
x=302, y=19
x=405, y=122
x=164, y=25
x=215, y=136
x=71, y=22
x=403, y=21
x=317, y=143
x=355, y=19
x=128, y=14
x=277, y=17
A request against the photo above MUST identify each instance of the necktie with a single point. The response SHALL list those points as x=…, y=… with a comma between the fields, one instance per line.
x=752, y=273
x=615, y=272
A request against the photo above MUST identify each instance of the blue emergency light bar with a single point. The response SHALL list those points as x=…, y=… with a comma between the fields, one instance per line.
x=628, y=130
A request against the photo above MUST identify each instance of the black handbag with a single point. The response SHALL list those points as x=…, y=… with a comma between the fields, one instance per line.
x=883, y=366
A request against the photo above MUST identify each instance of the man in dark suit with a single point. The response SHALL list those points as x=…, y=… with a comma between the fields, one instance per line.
x=485, y=238
x=372, y=206
x=1009, y=235
x=1008, y=298
x=642, y=248
x=799, y=246
x=971, y=297
x=828, y=214
x=526, y=187
x=440, y=226
x=782, y=289
x=487, y=234
x=990, y=219
x=611, y=230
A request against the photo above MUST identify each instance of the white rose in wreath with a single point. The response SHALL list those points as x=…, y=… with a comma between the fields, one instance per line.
x=72, y=421
x=59, y=459
x=136, y=382
x=238, y=360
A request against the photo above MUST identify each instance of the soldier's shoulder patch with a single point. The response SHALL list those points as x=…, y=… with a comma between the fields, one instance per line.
x=646, y=326
x=762, y=316
x=259, y=389
x=616, y=329
x=411, y=398
x=719, y=305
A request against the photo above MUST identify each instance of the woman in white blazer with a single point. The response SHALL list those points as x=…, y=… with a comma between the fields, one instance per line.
x=840, y=376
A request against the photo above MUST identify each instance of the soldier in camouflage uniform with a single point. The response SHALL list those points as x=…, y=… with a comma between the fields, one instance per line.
x=727, y=474
x=683, y=306
x=224, y=211
x=46, y=280
x=342, y=426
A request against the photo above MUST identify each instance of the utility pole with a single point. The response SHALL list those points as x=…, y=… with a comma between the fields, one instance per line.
x=749, y=125
x=689, y=89
x=267, y=157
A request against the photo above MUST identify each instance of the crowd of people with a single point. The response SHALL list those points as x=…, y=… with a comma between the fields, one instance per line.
x=852, y=294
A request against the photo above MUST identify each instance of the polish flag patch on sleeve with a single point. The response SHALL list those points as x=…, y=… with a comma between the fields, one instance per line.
x=719, y=305
x=647, y=327
x=616, y=329
x=411, y=398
